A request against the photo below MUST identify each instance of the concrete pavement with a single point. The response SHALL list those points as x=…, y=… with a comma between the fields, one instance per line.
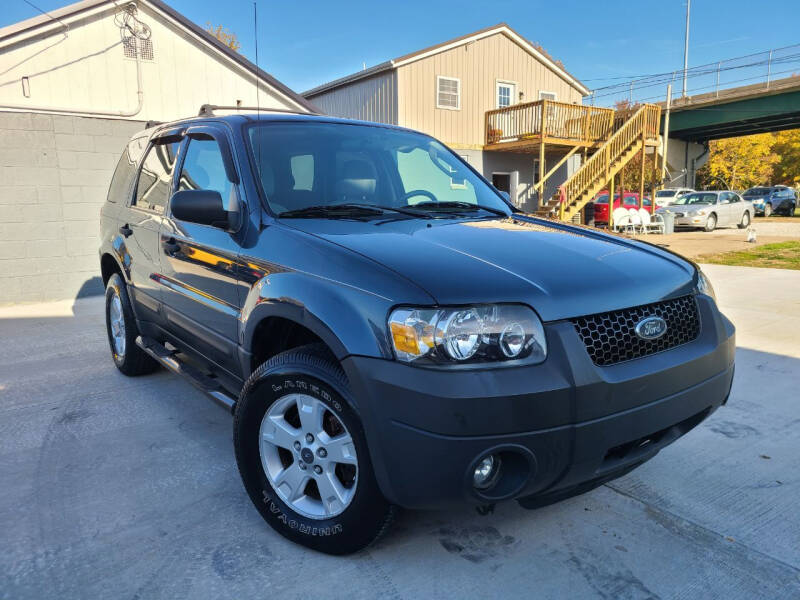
x=113, y=487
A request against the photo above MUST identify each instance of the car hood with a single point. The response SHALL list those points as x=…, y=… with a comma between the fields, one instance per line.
x=685, y=208
x=560, y=271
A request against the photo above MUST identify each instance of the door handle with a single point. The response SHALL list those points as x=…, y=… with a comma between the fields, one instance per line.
x=125, y=230
x=171, y=247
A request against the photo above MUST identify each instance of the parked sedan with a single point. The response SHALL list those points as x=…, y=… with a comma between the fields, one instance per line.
x=711, y=209
x=775, y=199
x=669, y=196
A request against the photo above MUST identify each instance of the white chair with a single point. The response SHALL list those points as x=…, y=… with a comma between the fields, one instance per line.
x=622, y=219
x=654, y=224
x=636, y=220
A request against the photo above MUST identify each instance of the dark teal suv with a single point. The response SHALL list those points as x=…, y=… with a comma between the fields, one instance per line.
x=387, y=330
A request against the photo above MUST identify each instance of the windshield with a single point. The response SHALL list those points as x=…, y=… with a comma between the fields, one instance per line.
x=757, y=191
x=697, y=199
x=306, y=165
x=665, y=193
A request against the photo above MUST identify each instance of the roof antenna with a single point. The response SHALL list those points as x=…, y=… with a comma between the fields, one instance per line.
x=258, y=78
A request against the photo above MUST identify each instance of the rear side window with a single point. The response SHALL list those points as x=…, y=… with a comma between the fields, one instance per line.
x=155, y=177
x=125, y=172
x=204, y=169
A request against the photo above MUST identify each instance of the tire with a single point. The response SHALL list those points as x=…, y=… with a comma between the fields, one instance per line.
x=711, y=222
x=767, y=209
x=745, y=220
x=269, y=411
x=791, y=210
x=123, y=331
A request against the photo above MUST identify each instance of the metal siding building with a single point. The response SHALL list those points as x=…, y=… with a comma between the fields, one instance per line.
x=403, y=91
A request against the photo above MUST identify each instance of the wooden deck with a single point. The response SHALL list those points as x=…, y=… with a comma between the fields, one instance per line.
x=527, y=126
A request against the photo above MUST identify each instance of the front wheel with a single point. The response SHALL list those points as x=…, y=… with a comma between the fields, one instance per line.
x=745, y=220
x=122, y=331
x=303, y=456
x=711, y=222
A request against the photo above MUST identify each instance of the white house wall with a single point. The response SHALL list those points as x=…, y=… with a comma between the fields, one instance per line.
x=86, y=70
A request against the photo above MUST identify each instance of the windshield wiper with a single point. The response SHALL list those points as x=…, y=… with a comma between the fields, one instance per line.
x=460, y=206
x=402, y=211
x=349, y=209
x=332, y=211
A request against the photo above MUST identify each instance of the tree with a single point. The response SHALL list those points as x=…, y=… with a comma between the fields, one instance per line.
x=787, y=147
x=223, y=35
x=740, y=162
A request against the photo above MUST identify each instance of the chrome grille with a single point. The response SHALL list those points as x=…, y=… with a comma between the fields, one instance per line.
x=610, y=337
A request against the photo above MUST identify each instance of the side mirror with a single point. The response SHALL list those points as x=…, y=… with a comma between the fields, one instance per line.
x=506, y=196
x=203, y=207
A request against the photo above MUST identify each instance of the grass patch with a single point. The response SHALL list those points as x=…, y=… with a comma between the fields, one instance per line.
x=782, y=255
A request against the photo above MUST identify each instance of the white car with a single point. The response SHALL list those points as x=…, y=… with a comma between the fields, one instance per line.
x=668, y=196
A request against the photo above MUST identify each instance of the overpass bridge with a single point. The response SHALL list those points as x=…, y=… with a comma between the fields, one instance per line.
x=744, y=110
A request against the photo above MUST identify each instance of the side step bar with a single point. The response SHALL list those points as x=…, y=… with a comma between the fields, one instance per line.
x=197, y=378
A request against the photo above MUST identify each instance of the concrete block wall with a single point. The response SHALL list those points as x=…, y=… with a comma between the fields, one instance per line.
x=54, y=176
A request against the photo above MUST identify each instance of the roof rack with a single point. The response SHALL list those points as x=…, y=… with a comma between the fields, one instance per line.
x=207, y=110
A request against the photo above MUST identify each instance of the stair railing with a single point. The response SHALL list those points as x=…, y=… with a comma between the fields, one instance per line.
x=643, y=124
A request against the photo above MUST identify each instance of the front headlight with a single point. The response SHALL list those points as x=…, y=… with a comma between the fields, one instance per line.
x=704, y=285
x=475, y=334
x=700, y=212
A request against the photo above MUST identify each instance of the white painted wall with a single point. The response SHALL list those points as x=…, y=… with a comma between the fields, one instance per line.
x=86, y=70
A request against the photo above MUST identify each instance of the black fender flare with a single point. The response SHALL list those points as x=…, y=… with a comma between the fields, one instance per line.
x=348, y=320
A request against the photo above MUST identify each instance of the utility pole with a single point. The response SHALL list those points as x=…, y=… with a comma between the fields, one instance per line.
x=686, y=46
x=666, y=135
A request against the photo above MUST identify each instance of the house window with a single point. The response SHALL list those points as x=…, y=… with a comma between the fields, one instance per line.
x=547, y=96
x=505, y=94
x=448, y=93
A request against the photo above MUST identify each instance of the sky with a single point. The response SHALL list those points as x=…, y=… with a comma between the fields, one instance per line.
x=310, y=42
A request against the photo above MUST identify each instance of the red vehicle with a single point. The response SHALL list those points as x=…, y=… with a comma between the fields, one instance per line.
x=630, y=200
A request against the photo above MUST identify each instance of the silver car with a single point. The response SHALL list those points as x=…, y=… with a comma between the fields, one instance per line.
x=710, y=209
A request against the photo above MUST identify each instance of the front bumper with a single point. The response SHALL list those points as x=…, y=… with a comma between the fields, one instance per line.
x=564, y=423
x=691, y=220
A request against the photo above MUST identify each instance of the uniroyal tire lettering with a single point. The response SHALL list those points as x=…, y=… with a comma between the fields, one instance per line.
x=293, y=524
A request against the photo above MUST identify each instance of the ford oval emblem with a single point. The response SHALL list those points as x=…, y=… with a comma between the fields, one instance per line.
x=651, y=328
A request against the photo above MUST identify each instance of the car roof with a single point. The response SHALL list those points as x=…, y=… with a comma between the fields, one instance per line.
x=269, y=117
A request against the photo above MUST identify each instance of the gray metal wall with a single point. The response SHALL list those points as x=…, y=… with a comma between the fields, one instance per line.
x=54, y=175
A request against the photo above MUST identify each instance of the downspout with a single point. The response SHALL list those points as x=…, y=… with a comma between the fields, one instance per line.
x=706, y=148
x=92, y=113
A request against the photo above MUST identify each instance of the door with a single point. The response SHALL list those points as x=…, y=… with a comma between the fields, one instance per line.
x=502, y=182
x=505, y=94
x=140, y=224
x=198, y=262
x=725, y=209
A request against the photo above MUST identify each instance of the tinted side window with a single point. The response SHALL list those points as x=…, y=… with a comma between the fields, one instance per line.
x=124, y=174
x=155, y=177
x=204, y=169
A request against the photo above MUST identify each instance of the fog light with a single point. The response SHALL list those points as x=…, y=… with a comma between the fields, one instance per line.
x=486, y=472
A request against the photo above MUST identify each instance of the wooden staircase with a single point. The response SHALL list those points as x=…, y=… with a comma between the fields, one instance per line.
x=631, y=137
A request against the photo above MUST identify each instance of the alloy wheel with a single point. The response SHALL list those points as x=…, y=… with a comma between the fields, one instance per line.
x=116, y=323
x=308, y=456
